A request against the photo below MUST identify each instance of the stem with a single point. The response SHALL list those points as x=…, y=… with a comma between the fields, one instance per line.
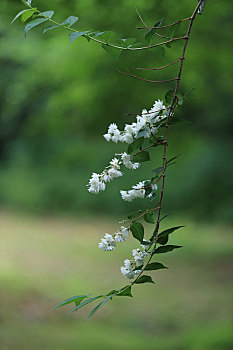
x=172, y=108
x=107, y=44
x=168, y=25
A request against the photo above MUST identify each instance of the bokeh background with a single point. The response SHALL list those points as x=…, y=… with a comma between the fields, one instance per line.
x=56, y=101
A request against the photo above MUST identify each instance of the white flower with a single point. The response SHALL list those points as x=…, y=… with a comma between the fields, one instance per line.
x=115, y=163
x=113, y=173
x=112, y=128
x=127, y=269
x=128, y=196
x=107, y=243
x=139, y=257
x=121, y=235
x=107, y=137
x=126, y=137
x=95, y=185
x=116, y=136
x=127, y=162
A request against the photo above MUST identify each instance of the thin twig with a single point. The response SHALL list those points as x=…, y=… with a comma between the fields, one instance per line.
x=168, y=25
x=163, y=67
x=141, y=19
x=149, y=81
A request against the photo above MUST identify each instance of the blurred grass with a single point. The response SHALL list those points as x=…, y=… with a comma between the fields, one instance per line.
x=45, y=260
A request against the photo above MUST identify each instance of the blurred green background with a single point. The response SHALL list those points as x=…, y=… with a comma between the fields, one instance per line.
x=56, y=101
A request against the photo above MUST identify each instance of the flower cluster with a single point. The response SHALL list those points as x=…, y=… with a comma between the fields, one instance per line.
x=129, y=270
x=98, y=182
x=138, y=191
x=108, y=243
x=147, y=120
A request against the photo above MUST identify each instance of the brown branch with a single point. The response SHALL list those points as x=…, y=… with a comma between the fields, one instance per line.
x=173, y=106
x=163, y=67
x=168, y=25
x=148, y=81
x=148, y=211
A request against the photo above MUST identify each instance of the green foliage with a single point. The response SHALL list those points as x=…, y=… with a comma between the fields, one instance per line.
x=135, y=145
x=166, y=249
x=155, y=266
x=151, y=32
x=143, y=156
x=137, y=230
x=163, y=236
x=149, y=217
x=144, y=279
x=125, y=292
x=76, y=35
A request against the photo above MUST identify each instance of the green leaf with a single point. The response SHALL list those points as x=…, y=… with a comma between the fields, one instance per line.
x=28, y=11
x=169, y=96
x=173, y=158
x=143, y=156
x=88, y=301
x=78, y=299
x=149, y=217
x=134, y=215
x=137, y=231
x=150, y=33
x=148, y=188
x=48, y=14
x=202, y=6
x=125, y=292
x=128, y=42
x=98, y=306
x=34, y=23
x=68, y=23
x=106, y=36
x=75, y=35
x=163, y=236
x=155, y=266
x=112, y=50
x=144, y=279
x=166, y=248
x=135, y=145
x=25, y=16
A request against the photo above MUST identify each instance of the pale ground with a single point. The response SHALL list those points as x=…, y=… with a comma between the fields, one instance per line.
x=46, y=260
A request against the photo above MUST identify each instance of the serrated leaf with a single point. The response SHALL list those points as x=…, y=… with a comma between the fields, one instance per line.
x=149, y=217
x=166, y=248
x=150, y=33
x=78, y=298
x=137, y=230
x=144, y=279
x=88, y=301
x=155, y=266
x=143, y=156
x=30, y=11
x=135, y=145
x=125, y=292
x=112, y=51
x=99, y=306
x=75, y=35
x=34, y=23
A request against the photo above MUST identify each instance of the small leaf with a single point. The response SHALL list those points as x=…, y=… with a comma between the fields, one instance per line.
x=137, y=231
x=30, y=11
x=77, y=298
x=202, y=6
x=112, y=50
x=88, y=301
x=98, y=306
x=150, y=33
x=70, y=21
x=166, y=248
x=75, y=35
x=34, y=23
x=106, y=36
x=135, y=145
x=142, y=133
x=155, y=266
x=149, y=217
x=144, y=279
x=173, y=158
x=125, y=292
x=143, y=156
x=25, y=16
x=163, y=236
